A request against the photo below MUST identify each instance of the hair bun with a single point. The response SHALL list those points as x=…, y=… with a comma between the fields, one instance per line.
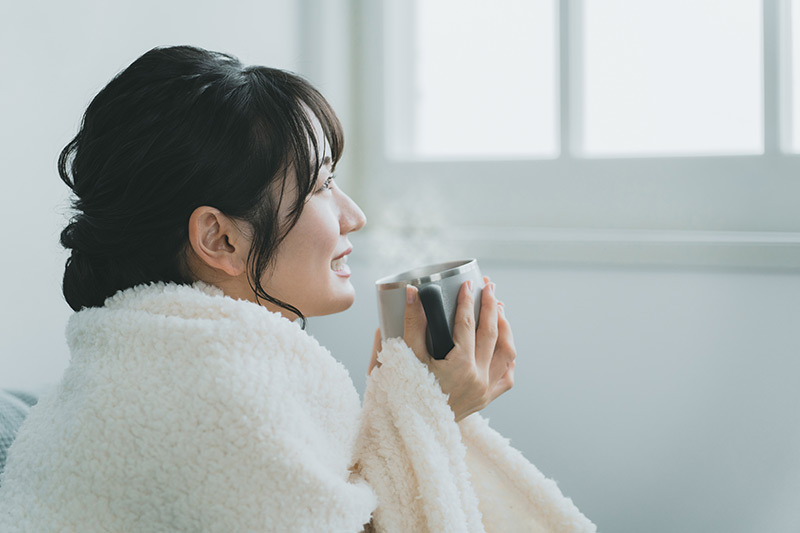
x=68, y=239
x=90, y=276
x=84, y=284
x=82, y=236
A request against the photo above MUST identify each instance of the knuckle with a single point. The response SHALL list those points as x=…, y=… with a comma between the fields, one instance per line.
x=472, y=380
x=414, y=319
x=468, y=294
x=507, y=351
x=477, y=384
x=485, y=392
x=485, y=400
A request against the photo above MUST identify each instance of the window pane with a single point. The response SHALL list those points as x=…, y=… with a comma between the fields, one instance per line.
x=483, y=79
x=795, y=92
x=671, y=77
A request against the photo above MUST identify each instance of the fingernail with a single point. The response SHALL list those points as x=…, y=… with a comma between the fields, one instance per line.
x=469, y=285
x=501, y=308
x=411, y=294
x=492, y=287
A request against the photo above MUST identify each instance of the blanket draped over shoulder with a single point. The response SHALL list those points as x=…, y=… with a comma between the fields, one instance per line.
x=185, y=410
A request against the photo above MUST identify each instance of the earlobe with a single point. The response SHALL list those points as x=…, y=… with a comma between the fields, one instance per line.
x=217, y=241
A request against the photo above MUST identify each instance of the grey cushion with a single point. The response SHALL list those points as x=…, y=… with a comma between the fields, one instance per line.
x=14, y=407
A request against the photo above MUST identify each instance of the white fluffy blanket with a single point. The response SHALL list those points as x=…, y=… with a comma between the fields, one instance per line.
x=185, y=410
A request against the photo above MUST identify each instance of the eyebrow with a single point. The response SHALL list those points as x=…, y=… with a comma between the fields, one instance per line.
x=326, y=161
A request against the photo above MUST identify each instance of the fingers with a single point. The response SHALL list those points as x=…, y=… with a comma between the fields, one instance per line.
x=415, y=324
x=505, y=383
x=505, y=338
x=376, y=347
x=501, y=371
x=464, y=327
x=486, y=337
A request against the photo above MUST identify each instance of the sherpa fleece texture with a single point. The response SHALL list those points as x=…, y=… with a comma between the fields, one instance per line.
x=185, y=410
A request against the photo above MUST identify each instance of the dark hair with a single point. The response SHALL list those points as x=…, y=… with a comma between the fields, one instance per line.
x=180, y=128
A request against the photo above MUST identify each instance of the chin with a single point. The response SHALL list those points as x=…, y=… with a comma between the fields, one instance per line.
x=345, y=304
x=340, y=303
x=331, y=303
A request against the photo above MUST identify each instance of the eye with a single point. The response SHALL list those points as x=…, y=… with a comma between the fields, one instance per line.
x=327, y=185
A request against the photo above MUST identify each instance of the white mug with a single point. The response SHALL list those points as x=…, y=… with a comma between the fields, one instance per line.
x=438, y=286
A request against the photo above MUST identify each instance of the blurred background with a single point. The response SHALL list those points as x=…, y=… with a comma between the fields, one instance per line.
x=627, y=172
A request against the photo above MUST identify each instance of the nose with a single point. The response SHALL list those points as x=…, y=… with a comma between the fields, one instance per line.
x=351, y=217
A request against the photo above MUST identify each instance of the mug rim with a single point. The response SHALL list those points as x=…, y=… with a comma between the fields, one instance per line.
x=440, y=271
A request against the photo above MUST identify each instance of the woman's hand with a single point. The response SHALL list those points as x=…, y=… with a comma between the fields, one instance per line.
x=376, y=347
x=480, y=367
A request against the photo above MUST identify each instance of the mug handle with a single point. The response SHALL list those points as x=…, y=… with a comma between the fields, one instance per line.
x=433, y=304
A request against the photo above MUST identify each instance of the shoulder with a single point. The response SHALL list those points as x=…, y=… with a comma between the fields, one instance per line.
x=176, y=391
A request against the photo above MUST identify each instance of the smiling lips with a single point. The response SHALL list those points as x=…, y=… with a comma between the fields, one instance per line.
x=339, y=265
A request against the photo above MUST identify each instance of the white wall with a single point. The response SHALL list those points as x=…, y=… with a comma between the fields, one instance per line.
x=55, y=57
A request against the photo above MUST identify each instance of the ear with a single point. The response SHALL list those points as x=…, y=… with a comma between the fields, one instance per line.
x=217, y=241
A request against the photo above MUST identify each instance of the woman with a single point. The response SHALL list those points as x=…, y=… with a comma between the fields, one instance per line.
x=208, y=222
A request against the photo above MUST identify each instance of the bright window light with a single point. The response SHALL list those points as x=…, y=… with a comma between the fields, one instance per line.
x=484, y=79
x=672, y=77
x=794, y=103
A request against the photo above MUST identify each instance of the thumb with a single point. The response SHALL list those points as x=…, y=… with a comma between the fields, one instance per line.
x=415, y=324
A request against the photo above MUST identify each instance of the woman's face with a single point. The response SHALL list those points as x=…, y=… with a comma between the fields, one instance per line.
x=311, y=271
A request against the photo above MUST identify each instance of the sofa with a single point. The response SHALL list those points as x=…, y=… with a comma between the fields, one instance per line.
x=14, y=407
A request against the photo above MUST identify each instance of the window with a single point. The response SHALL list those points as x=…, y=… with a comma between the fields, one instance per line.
x=454, y=87
x=793, y=101
x=553, y=129
x=675, y=77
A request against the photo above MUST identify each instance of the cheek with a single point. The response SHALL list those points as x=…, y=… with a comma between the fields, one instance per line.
x=316, y=239
x=324, y=231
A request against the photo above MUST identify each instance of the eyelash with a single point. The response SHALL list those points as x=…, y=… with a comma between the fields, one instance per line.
x=327, y=185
